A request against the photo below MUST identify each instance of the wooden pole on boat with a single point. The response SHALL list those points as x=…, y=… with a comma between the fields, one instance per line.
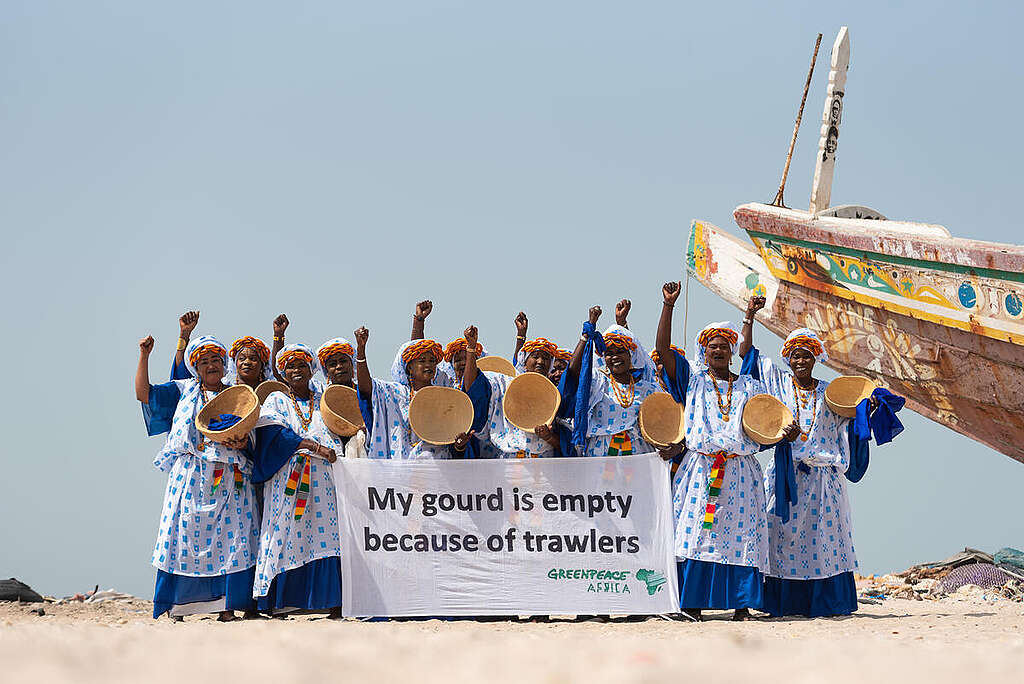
x=796, y=127
x=821, y=192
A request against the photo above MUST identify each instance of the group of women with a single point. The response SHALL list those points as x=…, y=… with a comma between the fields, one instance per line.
x=251, y=525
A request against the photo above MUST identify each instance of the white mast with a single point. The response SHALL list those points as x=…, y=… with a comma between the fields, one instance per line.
x=821, y=192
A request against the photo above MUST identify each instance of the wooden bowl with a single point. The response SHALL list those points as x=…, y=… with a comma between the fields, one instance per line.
x=496, y=364
x=530, y=400
x=264, y=389
x=661, y=420
x=339, y=407
x=765, y=418
x=237, y=400
x=844, y=393
x=439, y=414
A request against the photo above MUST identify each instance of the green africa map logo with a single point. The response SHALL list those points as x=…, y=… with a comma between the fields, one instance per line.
x=610, y=581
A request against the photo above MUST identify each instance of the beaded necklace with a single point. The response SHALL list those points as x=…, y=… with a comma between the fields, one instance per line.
x=723, y=409
x=298, y=410
x=624, y=395
x=801, y=400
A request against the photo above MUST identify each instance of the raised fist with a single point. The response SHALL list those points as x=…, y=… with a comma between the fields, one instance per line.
x=522, y=324
x=361, y=335
x=280, y=325
x=423, y=309
x=187, y=323
x=595, y=313
x=622, y=311
x=670, y=292
x=146, y=344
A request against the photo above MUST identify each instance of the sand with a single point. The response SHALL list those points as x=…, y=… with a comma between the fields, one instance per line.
x=896, y=640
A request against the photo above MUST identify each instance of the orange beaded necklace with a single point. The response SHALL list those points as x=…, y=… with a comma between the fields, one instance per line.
x=723, y=409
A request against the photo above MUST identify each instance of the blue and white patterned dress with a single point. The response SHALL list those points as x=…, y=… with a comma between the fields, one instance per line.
x=287, y=543
x=739, y=533
x=608, y=417
x=817, y=542
x=505, y=439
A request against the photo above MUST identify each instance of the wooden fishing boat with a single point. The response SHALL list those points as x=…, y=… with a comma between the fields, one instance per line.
x=937, y=319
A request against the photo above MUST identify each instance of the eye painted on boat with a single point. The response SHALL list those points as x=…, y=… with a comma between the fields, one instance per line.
x=1013, y=304
x=967, y=295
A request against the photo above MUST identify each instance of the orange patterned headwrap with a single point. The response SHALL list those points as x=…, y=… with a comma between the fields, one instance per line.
x=807, y=342
x=330, y=350
x=540, y=344
x=457, y=345
x=563, y=354
x=421, y=347
x=251, y=343
x=614, y=339
x=710, y=333
x=656, y=357
x=283, y=357
x=194, y=357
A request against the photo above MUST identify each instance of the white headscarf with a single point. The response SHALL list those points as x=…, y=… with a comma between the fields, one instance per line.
x=287, y=349
x=399, y=374
x=638, y=358
x=232, y=375
x=804, y=338
x=198, y=343
x=709, y=330
x=340, y=342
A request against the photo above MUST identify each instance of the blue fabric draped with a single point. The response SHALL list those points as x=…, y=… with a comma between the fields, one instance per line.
x=677, y=385
x=835, y=595
x=479, y=394
x=176, y=590
x=224, y=421
x=581, y=416
x=158, y=412
x=882, y=423
x=785, y=479
x=567, y=387
x=750, y=364
x=179, y=371
x=721, y=586
x=366, y=410
x=313, y=586
x=859, y=455
x=274, y=445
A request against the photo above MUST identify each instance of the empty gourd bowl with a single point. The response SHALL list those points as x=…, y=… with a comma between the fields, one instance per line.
x=765, y=418
x=530, y=400
x=496, y=364
x=339, y=408
x=439, y=414
x=661, y=420
x=264, y=389
x=844, y=393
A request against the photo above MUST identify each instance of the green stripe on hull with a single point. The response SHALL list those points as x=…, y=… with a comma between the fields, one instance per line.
x=995, y=274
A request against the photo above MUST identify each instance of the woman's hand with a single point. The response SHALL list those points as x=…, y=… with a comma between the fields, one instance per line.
x=522, y=324
x=754, y=305
x=326, y=452
x=791, y=432
x=873, y=402
x=146, y=345
x=280, y=325
x=187, y=323
x=595, y=313
x=361, y=334
x=672, y=450
x=423, y=309
x=621, y=312
x=547, y=434
x=238, y=442
x=670, y=293
x=471, y=334
x=462, y=440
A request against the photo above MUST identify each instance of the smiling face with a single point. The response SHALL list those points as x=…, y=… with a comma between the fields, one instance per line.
x=297, y=374
x=210, y=369
x=718, y=353
x=801, y=362
x=249, y=365
x=339, y=369
x=537, y=362
x=558, y=367
x=618, y=360
x=421, y=370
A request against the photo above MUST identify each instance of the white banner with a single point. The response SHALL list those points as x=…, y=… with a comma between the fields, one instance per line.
x=505, y=537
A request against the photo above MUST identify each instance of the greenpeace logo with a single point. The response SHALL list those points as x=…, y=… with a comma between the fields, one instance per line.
x=610, y=581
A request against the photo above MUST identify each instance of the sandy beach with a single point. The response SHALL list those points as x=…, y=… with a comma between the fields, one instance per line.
x=898, y=639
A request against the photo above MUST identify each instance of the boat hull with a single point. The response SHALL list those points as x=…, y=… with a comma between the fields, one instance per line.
x=969, y=382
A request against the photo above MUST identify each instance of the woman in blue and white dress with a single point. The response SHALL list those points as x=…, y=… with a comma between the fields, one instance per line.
x=612, y=375
x=721, y=542
x=811, y=554
x=487, y=392
x=299, y=561
x=337, y=361
x=385, y=405
x=206, y=546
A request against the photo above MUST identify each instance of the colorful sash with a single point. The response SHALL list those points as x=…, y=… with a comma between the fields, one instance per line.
x=298, y=481
x=715, y=485
x=621, y=445
x=218, y=475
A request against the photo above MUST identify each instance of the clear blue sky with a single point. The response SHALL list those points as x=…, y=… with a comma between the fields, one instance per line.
x=339, y=161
